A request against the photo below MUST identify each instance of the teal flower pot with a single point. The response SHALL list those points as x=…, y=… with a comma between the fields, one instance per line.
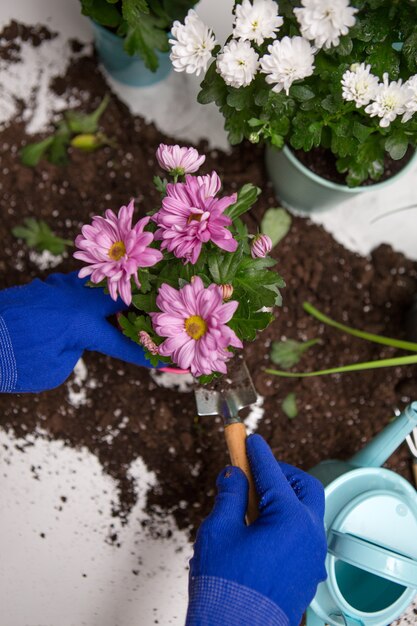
x=129, y=70
x=299, y=188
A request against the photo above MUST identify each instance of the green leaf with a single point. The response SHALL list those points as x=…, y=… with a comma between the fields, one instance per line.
x=410, y=50
x=362, y=132
x=345, y=46
x=384, y=58
x=287, y=353
x=145, y=302
x=247, y=327
x=32, y=153
x=104, y=13
x=302, y=93
x=396, y=145
x=160, y=184
x=58, y=150
x=145, y=34
x=213, y=88
x=240, y=98
x=38, y=235
x=246, y=198
x=86, y=123
x=276, y=223
x=255, y=123
x=223, y=265
x=289, y=406
x=256, y=286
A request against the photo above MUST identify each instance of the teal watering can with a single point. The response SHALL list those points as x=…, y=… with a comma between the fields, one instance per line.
x=371, y=525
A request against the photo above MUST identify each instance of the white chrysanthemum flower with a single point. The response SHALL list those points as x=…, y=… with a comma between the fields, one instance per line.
x=324, y=21
x=256, y=21
x=192, y=45
x=359, y=85
x=390, y=101
x=411, y=105
x=288, y=60
x=237, y=63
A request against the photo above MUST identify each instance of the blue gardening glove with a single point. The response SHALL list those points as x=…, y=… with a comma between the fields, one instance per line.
x=265, y=574
x=45, y=327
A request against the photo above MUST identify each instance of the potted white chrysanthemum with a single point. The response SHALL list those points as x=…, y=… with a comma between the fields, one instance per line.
x=330, y=85
x=131, y=38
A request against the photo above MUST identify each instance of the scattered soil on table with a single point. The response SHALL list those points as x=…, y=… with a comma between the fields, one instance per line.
x=124, y=413
x=323, y=163
x=15, y=32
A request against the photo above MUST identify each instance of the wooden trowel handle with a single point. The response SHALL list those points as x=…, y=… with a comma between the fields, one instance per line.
x=236, y=442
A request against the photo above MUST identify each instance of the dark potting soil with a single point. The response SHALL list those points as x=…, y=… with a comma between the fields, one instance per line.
x=337, y=415
x=323, y=163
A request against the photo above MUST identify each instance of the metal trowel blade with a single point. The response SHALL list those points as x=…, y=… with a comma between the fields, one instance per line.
x=229, y=396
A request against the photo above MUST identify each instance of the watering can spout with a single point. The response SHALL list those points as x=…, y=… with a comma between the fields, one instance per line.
x=379, y=449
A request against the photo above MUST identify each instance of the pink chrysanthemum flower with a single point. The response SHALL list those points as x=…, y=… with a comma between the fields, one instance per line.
x=191, y=215
x=179, y=161
x=194, y=320
x=114, y=249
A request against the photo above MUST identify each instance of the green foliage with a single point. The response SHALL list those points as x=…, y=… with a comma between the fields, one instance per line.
x=76, y=129
x=314, y=114
x=38, y=235
x=246, y=198
x=276, y=223
x=288, y=353
x=289, y=406
x=143, y=24
x=256, y=286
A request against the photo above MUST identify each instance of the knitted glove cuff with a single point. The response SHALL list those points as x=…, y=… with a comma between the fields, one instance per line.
x=216, y=602
x=8, y=368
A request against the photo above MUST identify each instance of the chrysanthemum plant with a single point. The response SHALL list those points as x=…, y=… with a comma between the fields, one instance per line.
x=199, y=285
x=313, y=73
x=142, y=24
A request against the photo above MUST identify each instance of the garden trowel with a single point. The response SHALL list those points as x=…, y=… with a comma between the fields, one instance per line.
x=226, y=398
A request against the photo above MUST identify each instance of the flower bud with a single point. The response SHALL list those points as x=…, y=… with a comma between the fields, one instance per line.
x=227, y=291
x=86, y=142
x=147, y=342
x=261, y=246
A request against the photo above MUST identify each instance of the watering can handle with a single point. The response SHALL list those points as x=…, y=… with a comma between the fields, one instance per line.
x=372, y=558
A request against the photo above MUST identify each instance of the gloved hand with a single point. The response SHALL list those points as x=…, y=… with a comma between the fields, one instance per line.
x=45, y=327
x=266, y=573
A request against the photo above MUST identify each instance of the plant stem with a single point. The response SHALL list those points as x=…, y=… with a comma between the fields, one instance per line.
x=354, y=367
x=386, y=341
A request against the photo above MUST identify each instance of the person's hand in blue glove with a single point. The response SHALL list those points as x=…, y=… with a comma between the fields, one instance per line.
x=45, y=327
x=265, y=574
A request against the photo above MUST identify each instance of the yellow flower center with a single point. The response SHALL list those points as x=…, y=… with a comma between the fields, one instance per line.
x=117, y=251
x=195, y=327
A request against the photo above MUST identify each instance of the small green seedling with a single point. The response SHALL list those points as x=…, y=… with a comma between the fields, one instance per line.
x=288, y=353
x=76, y=129
x=38, y=235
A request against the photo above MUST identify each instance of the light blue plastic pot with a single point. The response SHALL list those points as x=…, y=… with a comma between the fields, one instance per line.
x=299, y=188
x=371, y=524
x=129, y=70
